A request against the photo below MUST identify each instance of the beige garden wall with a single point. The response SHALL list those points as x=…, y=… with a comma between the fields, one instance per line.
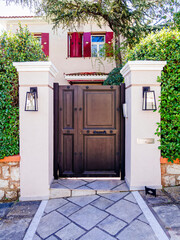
x=142, y=160
x=58, y=47
x=36, y=130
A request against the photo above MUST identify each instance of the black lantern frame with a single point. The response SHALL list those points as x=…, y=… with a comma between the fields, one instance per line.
x=149, y=100
x=31, y=103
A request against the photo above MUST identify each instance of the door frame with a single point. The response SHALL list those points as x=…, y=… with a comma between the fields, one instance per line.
x=56, y=133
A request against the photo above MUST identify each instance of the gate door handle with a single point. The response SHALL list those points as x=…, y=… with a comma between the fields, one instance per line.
x=99, y=132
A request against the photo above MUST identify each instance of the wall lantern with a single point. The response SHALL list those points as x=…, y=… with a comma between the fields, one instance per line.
x=31, y=103
x=149, y=100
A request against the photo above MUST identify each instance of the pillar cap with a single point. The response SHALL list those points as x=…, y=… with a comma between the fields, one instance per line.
x=36, y=67
x=142, y=66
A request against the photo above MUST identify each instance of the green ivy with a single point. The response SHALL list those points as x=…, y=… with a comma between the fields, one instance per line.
x=18, y=47
x=160, y=46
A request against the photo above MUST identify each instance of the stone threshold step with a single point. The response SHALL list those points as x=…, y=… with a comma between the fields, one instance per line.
x=60, y=193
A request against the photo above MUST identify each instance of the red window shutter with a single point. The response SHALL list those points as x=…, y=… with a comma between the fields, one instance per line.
x=73, y=45
x=45, y=43
x=109, y=41
x=87, y=44
x=78, y=45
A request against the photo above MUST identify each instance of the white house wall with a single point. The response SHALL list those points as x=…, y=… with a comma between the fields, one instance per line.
x=58, y=54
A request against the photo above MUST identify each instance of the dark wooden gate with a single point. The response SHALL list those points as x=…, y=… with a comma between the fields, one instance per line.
x=88, y=131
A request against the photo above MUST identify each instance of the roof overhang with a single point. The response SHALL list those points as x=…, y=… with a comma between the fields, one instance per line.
x=86, y=78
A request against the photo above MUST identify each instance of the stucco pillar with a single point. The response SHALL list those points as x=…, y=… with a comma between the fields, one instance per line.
x=142, y=156
x=36, y=130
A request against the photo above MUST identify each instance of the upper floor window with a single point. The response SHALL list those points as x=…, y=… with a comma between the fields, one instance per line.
x=97, y=44
x=88, y=44
x=43, y=39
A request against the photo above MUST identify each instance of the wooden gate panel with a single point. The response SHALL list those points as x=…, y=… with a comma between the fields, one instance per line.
x=99, y=154
x=98, y=126
x=68, y=109
x=68, y=154
x=99, y=109
x=88, y=129
x=68, y=130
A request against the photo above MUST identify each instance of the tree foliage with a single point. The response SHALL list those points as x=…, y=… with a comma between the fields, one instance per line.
x=176, y=20
x=19, y=47
x=125, y=18
x=165, y=45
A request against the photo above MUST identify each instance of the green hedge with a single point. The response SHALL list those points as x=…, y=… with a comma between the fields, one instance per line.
x=160, y=46
x=19, y=47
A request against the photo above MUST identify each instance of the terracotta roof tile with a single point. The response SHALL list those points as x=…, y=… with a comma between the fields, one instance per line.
x=17, y=16
x=87, y=74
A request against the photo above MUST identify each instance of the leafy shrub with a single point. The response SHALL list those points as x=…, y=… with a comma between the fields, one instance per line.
x=19, y=47
x=165, y=45
x=114, y=77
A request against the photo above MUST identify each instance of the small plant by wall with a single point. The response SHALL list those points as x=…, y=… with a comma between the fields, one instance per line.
x=161, y=46
x=114, y=77
x=19, y=47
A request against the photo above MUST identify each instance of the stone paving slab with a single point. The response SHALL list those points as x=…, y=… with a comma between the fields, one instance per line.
x=51, y=223
x=71, y=184
x=97, y=234
x=68, y=209
x=83, y=201
x=72, y=231
x=13, y=228
x=142, y=218
x=54, y=204
x=114, y=196
x=130, y=198
x=125, y=210
x=97, y=217
x=169, y=215
x=122, y=187
x=4, y=209
x=174, y=233
x=160, y=199
x=15, y=219
x=174, y=192
x=166, y=208
x=83, y=187
x=104, y=184
x=88, y=217
x=112, y=225
x=137, y=230
x=24, y=209
x=102, y=203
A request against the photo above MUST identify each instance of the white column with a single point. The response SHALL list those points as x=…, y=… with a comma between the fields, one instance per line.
x=36, y=130
x=142, y=160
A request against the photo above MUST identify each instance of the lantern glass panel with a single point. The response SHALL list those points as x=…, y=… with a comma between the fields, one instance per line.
x=149, y=101
x=31, y=101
